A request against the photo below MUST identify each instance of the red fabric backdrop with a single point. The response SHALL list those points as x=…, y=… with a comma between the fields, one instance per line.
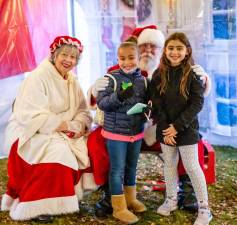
x=16, y=52
x=27, y=29
x=46, y=19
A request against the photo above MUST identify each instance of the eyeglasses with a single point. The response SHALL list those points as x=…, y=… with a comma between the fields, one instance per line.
x=147, y=46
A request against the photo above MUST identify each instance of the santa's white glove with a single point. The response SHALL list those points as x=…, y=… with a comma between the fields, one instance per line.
x=204, y=77
x=99, y=85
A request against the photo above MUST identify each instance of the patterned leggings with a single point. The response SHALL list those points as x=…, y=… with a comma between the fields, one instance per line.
x=189, y=155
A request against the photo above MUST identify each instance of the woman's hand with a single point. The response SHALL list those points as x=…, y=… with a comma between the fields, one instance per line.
x=73, y=131
x=73, y=135
x=170, y=132
x=78, y=135
x=62, y=127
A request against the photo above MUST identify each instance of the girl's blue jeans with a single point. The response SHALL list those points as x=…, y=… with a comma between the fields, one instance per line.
x=123, y=164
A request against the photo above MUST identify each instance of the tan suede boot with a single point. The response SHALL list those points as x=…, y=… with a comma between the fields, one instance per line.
x=131, y=199
x=120, y=210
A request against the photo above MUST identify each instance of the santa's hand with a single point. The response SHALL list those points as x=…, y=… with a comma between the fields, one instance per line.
x=204, y=77
x=99, y=85
x=200, y=72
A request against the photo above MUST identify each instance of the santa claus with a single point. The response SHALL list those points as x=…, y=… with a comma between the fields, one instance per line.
x=150, y=42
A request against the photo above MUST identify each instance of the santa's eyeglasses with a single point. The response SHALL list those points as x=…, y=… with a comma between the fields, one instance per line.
x=149, y=46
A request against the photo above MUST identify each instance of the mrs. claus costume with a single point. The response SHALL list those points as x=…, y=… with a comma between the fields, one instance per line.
x=47, y=169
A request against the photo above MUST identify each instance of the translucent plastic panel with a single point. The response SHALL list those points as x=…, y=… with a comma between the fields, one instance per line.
x=224, y=4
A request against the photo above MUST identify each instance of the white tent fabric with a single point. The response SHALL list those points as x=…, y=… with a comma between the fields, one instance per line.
x=8, y=87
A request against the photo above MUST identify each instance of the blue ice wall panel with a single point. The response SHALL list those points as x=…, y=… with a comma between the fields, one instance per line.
x=226, y=86
x=227, y=114
x=224, y=24
x=226, y=92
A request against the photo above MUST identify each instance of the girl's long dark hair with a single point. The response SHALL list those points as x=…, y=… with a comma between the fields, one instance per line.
x=185, y=64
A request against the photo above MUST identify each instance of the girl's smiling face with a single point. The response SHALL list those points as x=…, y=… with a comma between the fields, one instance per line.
x=175, y=52
x=128, y=59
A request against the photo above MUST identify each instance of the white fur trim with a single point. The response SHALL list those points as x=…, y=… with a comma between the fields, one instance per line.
x=208, y=86
x=6, y=203
x=69, y=42
x=79, y=190
x=88, y=182
x=151, y=36
x=50, y=206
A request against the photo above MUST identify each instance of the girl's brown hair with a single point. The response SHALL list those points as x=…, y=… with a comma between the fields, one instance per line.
x=130, y=42
x=185, y=64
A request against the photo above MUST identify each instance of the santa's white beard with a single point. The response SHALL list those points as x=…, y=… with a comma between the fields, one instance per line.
x=148, y=63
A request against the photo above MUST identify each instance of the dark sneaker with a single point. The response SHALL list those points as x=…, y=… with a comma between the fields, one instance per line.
x=43, y=219
x=103, y=208
x=186, y=196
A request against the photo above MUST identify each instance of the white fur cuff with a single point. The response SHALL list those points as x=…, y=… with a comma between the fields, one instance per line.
x=6, y=202
x=49, y=206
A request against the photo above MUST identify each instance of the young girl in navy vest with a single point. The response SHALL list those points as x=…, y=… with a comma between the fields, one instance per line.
x=124, y=132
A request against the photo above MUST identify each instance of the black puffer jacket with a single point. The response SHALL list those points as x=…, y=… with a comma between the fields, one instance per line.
x=116, y=120
x=172, y=107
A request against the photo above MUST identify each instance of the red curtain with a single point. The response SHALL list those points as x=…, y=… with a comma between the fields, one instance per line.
x=16, y=52
x=46, y=20
x=27, y=29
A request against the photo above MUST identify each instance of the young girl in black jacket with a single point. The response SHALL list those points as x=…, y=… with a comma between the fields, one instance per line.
x=177, y=96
